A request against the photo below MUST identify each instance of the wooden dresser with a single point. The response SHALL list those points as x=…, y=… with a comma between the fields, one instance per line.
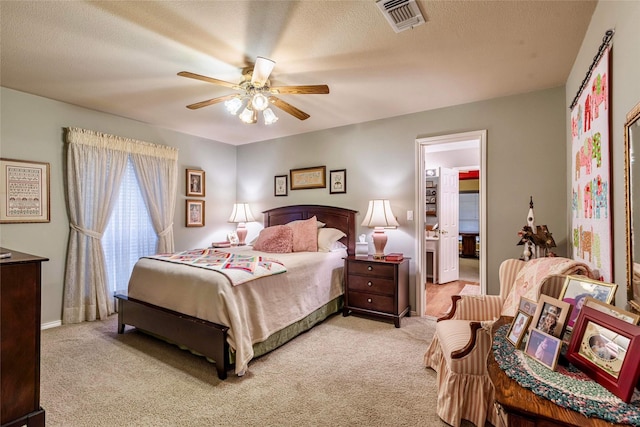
x=377, y=287
x=20, y=340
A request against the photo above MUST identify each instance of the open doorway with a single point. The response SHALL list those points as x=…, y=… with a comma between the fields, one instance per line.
x=463, y=153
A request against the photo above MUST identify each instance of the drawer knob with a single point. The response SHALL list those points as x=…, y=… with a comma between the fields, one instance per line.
x=369, y=284
x=369, y=268
x=368, y=299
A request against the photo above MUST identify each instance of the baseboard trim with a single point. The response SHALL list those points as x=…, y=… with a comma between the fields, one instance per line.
x=50, y=325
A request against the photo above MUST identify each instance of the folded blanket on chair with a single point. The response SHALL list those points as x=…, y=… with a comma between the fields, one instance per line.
x=534, y=273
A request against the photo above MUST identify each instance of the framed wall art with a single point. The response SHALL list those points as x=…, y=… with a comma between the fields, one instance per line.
x=280, y=185
x=24, y=191
x=306, y=178
x=608, y=350
x=195, y=183
x=338, y=181
x=591, y=226
x=577, y=288
x=195, y=213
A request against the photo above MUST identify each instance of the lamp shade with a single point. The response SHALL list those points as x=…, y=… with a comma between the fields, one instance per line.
x=241, y=213
x=379, y=214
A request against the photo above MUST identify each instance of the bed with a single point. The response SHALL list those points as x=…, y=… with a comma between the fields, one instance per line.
x=167, y=301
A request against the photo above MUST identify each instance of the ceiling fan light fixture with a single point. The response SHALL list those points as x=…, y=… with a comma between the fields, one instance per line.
x=259, y=101
x=233, y=105
x=261, y=71
x=269, y=116
x=248, y=116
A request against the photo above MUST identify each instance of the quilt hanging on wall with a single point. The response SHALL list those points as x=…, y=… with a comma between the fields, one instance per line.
x=591, y=185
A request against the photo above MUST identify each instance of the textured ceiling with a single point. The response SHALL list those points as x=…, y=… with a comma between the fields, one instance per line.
x=122, y=57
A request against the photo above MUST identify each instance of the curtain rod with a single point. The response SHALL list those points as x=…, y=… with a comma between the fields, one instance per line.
x=606, y=40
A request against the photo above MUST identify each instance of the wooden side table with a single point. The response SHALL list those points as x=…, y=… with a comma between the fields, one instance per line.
x=377, y=287
x=520, y=407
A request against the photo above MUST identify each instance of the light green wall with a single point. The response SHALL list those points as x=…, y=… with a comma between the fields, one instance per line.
x=525, y=157
x=623, y=17
x=31, y=128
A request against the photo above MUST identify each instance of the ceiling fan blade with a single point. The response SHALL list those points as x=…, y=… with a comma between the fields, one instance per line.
x=208, y=79
x=288, y=108
x=300, y=90
x=261, y=71
x=211, y=101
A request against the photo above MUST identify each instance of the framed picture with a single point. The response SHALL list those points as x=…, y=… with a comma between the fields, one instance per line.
x=195, y=213
x=612, y=310
x=195, y=183
x=302, y=179
x=577, y=288
x=608, y=350
x=233, y=239
x=518, y=328
x=528, y=306
x=551, y=316
x=544, y=348
x=338, y=181
x=280, y=185
x=24, y=191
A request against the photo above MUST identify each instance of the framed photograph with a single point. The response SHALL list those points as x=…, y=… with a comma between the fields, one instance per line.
x=528, y=306
x=612, y=310
x=551, y=316
x=306, y=178
x=338, y=181
x=608, y=350
x=518, y=328
x=24, y=191
x=195, y=213
x=233, y=239
x=280, y=185
x=577, y=288
x=195, y=183
x=544, y=348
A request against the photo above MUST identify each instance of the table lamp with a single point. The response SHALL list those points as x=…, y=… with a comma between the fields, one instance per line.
x=379, y=216
x=241, y=214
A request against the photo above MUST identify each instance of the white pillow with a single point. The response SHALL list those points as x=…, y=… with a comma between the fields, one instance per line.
x=327, y=237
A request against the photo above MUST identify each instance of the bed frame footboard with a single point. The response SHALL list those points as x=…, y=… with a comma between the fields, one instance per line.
x=206, y=338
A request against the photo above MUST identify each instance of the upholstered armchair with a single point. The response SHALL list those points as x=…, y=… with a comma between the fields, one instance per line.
x=462, y=340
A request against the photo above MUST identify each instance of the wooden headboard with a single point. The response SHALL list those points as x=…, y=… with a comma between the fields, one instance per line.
x=340, y=218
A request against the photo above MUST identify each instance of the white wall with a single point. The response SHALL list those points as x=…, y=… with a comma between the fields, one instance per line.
x=32, y=129
x=624, y=18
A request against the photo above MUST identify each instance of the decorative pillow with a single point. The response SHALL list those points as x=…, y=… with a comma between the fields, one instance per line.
x=276, y=239
x=327, y=237
x=319, y=224
x=305, y=235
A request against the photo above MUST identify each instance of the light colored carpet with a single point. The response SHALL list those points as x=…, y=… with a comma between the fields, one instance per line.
x=347, y=371
x=470, y=290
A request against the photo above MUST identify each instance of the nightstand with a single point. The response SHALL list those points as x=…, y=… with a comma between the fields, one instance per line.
x=377, y=287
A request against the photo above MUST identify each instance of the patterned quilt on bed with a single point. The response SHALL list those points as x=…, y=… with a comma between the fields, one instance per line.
x=238, y=268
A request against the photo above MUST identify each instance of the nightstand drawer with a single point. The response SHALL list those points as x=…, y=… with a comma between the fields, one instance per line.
x=372, y=284
x=372, y=268
x=373, y=302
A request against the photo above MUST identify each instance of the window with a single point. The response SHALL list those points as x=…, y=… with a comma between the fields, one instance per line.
x=129, y=234
x=469, y=213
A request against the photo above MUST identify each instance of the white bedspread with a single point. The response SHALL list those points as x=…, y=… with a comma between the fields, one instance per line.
x=254, y=310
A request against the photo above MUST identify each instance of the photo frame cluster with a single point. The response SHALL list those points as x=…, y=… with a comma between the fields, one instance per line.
x=195, y=187
x=310, y=178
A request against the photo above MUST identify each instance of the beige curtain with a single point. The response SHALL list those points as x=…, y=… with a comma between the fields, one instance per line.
x=157, y=171
x=95, y=165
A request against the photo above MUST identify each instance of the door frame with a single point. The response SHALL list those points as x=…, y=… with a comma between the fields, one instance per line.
x=421, y=273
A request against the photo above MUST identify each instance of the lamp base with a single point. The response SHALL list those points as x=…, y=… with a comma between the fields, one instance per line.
x=379, y=242
x=242, y=234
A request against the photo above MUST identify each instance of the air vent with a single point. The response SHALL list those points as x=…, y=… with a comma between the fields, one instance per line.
x=401, y=14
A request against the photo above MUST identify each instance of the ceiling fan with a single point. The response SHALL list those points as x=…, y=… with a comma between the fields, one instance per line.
x=256, y=93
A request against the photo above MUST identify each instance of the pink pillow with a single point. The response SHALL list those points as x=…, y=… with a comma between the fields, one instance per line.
x=276, y=239
x=305, y=235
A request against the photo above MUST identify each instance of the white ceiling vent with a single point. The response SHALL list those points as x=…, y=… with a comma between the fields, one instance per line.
x=401, y=14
